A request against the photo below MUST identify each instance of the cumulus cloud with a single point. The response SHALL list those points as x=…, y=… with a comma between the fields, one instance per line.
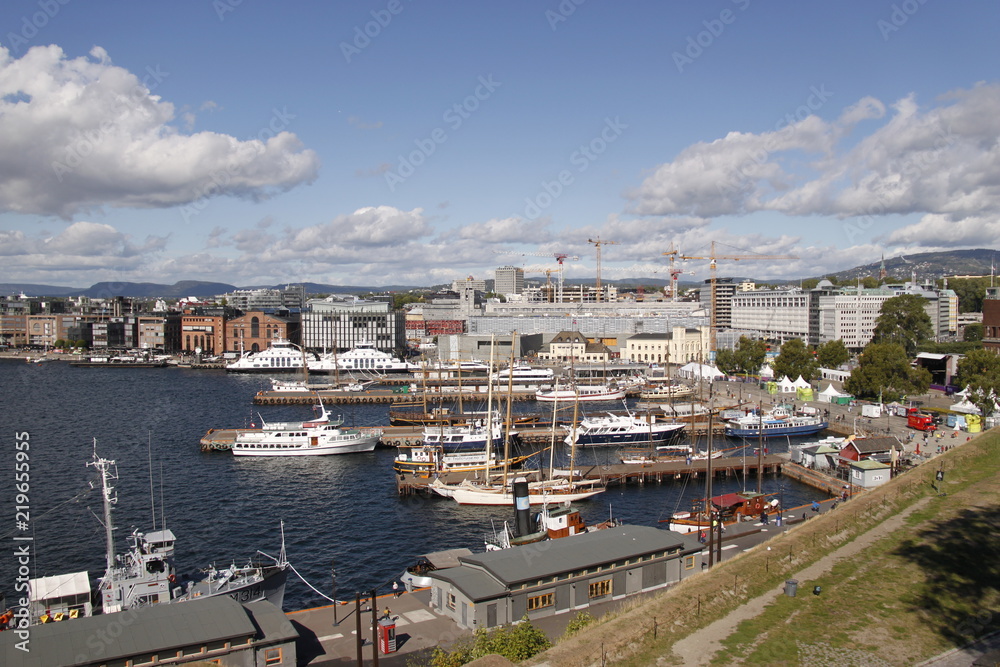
x=504, y=230
x=82, y=133
x=942, y=160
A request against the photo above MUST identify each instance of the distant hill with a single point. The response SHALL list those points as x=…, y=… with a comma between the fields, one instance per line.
x=927, y=265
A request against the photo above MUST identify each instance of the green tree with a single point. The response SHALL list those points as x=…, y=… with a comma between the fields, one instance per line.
x=979, y=371
x=869, y=282
x=903, y=321
x=794, y=360
x=746, y=359
x=400, y=300
x=61, y=343
x=516, y=643
x=973, y=332
x=832, y=354
x=884, y=370
x=725, y=361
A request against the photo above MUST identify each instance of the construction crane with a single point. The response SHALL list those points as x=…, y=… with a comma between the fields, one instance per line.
x=713, y=258
x=675, y=272
x=560, y=257
x=598, y=243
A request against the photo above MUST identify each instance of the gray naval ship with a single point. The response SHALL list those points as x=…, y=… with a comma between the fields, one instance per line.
x=146, y=574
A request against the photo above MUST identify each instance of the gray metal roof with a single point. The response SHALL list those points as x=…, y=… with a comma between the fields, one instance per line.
x=101, y=638
x=447, y=558
x=552, y=557
x=476, y=584
x=271, y=621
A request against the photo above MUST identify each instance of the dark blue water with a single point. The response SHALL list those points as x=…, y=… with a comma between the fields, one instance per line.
x=223, y=508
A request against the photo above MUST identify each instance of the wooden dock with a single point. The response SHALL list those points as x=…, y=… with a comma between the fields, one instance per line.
x=654, y=472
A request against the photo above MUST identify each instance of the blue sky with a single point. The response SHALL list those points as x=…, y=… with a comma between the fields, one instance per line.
x=415, y=142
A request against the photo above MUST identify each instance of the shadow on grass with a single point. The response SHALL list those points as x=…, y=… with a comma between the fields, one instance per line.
x=958, y=557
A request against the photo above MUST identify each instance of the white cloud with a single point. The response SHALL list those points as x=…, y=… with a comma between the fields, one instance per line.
x=943, y=160
x=504, y=230
x=83, y=133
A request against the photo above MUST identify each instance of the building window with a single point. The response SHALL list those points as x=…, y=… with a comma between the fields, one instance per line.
x=541, y=601
x=272, y=656
x=600, y=589
x=689, y=563
x=451, y=601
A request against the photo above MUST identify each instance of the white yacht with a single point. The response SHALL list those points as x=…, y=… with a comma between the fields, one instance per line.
x=318, y=437
x=524, y=374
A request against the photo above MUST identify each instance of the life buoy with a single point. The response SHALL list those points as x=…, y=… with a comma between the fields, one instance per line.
x=172, y=579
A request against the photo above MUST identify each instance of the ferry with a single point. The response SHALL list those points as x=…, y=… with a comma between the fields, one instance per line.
x=281, y=356
x=319, y=437
x=364, y=358
x=581, y=393
x=778, y=422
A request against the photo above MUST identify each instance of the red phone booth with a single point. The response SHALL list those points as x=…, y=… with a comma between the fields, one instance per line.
x=387, y=635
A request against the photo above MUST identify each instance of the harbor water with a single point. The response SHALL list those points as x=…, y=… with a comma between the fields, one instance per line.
x=339, y=512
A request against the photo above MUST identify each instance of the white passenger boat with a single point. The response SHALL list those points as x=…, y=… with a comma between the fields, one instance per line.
x=282, y=356
x=365, y=358
x=318, y=437
x=471, y=435
x=524, y=374
x=581, y=393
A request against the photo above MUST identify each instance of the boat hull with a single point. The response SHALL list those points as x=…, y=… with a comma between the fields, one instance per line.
x=754, y=432
x=663, y=436
x=363, y=444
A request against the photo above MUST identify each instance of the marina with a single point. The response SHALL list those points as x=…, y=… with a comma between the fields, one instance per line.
x=255, y=493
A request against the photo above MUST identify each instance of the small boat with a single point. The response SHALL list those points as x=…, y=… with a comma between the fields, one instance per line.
x=581, y=393
x=322, y=436
x=472, y=435
x=614, y=430
x=665, y=392
x=730, y=508
x=539, y=493
x=549, y=524
x=430, y=460
x=777, y=422
x=296, y=386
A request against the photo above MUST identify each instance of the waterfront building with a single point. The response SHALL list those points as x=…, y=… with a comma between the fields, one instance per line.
x=14, y=311
x=152, y=332
x=991, y=320
x=678, y=346
x=212, y=630
x=869, y=473
x=343, y=322
x=255, y=330
x=721, y=300
x=570, y=574
x=573, y=346
x=509, y=280
x=204, y=329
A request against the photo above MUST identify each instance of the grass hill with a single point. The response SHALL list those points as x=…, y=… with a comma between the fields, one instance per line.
x=905, y=572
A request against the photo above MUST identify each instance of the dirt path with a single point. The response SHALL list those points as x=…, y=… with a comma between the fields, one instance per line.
x=699, y=648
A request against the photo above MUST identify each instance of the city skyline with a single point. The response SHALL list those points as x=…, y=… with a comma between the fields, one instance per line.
x=398, y=142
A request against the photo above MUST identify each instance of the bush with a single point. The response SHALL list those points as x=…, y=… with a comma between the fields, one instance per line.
x=516, y=643
x=579, y=622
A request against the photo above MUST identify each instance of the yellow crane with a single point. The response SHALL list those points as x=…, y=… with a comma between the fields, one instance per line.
x=713, y=258
x=598, y=242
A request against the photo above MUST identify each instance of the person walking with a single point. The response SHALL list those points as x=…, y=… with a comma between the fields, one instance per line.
x=395, y=589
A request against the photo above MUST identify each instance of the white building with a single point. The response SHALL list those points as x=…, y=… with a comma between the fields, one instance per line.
x=678, y=346
x=509, y=280
x=772, y=314
x=343, y=322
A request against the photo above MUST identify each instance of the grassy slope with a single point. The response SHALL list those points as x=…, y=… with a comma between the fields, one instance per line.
x=917, y=592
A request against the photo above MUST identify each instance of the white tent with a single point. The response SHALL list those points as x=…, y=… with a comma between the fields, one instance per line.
x=767, y=371
x=965, y=406
x=698, y=371
x=828, y=394
x=786, y=386
x=800, y=383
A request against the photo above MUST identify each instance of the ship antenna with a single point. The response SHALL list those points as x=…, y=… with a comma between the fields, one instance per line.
x=149, y=458
x=104, y=467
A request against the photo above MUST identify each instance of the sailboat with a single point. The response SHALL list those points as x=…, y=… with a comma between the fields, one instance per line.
x=551, y=490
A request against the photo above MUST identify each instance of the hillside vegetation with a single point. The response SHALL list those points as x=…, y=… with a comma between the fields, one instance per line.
x=914, y=574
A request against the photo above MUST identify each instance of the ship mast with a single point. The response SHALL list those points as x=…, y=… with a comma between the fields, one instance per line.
x=104, y=467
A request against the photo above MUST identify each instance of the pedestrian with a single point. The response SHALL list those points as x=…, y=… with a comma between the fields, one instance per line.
x=815, y=506
x=702, y=537
x=387, y=613
x=763, y=518
x=395, y=589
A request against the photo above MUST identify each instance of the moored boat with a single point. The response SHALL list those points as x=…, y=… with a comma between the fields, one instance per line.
x=778, y=422
x=581, y=393
x=321, y=436
x=281, y=357
x=729, y=508
x=618, y=430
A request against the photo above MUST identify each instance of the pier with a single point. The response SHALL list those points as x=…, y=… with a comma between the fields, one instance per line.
x=653, y=472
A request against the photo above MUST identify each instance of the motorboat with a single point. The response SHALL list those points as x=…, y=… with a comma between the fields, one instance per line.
x=582, y=393
x=471, y=435
x=623, y=429
x=321, y=436
x=521, y=374
x=777, y=422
